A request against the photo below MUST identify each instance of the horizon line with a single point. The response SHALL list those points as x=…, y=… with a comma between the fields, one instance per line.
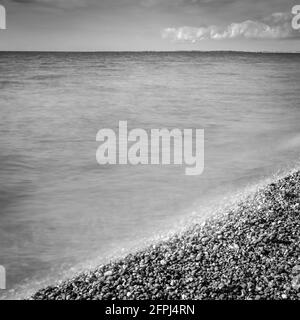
x=144, y=51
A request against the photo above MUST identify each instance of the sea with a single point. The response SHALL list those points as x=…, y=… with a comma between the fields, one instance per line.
x=62, y=213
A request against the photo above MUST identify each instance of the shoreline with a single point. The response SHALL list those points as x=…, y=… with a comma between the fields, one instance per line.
x=251, y=251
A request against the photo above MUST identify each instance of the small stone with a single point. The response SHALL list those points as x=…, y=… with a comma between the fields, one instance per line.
x=163, y=262
x=244, y=255
x=204, y=240
x=108, y=273
x=296, y=282
x=296, y=269
x=199, y=257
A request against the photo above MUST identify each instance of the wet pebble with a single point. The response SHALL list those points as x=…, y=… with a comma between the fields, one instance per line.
x=251, y=252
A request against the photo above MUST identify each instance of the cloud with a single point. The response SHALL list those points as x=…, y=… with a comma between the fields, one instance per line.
x=276, y=26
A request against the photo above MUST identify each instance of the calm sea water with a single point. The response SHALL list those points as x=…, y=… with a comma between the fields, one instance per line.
x=60, y=209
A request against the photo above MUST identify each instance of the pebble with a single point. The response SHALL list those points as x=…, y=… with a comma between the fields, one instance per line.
x=252, y=252
x=296, y=282
x=108, y=273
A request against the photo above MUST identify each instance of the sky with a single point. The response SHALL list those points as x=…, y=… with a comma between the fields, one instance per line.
x=158, y=25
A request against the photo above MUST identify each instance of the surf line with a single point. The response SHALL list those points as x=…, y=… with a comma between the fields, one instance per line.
x=159, y=147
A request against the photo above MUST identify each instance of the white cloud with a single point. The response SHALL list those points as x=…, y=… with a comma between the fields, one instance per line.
x=276, y=26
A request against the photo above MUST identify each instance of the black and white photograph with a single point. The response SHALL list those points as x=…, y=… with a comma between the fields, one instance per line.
x=150, y=151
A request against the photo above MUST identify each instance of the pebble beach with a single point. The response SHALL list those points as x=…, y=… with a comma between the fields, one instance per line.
x=249, y=252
